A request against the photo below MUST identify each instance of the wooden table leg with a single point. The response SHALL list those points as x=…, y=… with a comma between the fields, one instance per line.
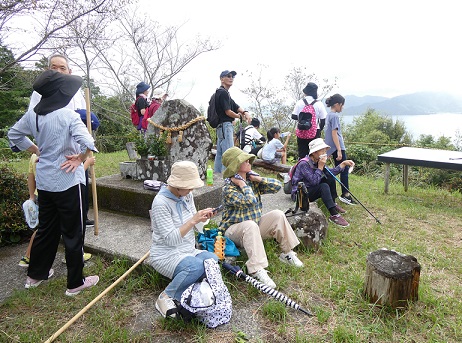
x=405, y=177
x=387, y=176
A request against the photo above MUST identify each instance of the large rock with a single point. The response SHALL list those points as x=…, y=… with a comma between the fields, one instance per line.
x=196, y=143
x=310, y=227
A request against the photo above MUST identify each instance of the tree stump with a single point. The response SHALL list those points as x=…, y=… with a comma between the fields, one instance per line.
x=392, y=278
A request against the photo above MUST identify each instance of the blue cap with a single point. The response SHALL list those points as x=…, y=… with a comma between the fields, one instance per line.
x=226, y=72
x=142, y=87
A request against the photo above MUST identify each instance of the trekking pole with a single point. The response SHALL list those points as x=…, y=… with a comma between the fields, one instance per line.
x=91, y=303
x=92, y=168
x=341, y=183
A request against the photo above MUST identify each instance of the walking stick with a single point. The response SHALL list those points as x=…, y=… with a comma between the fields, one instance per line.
x=264, y=288
x=92, y=169
x=91, y=303
x=341, y=183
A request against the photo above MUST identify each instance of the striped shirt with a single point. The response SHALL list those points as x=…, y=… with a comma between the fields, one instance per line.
x=168, y=247
x=61, y=133
x=245, y=204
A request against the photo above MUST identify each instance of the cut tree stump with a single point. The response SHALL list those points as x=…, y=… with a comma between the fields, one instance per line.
x=392, y=278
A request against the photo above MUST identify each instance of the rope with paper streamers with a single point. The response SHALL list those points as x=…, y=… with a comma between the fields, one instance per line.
x=178, y=129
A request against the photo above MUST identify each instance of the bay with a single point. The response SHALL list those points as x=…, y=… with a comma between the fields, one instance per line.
x=437, y=124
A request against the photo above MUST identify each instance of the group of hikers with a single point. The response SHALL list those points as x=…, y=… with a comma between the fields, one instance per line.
x=63, y=145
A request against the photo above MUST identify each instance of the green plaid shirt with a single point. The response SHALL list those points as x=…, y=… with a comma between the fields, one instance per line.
x=245, y=204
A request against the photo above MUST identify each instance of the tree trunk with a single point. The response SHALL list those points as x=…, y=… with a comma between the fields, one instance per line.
x=391, y=278
x=279, y=167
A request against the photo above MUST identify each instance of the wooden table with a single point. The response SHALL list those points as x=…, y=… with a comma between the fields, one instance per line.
x=431, y=158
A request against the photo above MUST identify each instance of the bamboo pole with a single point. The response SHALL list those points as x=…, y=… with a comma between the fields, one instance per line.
x=92, y=169
x=91, y=303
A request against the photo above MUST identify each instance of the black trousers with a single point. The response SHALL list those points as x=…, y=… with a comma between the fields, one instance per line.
x=326, y=190
x=61, y=214
x=303, y=145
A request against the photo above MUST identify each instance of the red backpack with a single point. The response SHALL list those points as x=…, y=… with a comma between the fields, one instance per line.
x=134, y=114
x=307, y=126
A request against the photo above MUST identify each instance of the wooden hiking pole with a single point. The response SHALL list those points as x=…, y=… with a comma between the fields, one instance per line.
x=92, y=169
x=91, y=303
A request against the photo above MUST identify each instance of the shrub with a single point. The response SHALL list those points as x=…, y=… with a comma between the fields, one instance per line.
x=13, y=192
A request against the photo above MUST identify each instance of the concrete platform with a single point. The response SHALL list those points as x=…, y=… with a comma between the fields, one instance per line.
x=128, y=196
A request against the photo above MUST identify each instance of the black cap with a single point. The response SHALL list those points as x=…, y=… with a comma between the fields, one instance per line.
x=226, y=72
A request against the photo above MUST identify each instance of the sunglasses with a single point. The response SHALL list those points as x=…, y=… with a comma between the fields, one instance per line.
x=230, y=76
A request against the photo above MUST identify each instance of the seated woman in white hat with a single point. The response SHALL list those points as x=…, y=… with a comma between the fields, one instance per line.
x=319, y=184
x=242, y=218
x=173, y=253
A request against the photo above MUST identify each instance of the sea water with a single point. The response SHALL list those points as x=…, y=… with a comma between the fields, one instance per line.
x=437, y=125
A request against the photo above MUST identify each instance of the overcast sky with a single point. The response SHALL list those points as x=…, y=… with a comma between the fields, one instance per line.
x=382, y=48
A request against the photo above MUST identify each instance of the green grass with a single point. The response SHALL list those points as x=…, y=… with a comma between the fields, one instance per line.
x=423, y=222
x=106, y=163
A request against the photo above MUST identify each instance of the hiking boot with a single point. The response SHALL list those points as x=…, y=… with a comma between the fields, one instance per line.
x=339, y=209
x=339, y=220
x=291, y=258
x=262, y=276
x=88, y=282
x=89, y=223
x=32, y=283
x=24, y=262
x=166, y=306
x=347, y=199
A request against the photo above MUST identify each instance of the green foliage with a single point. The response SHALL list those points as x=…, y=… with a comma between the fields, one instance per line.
x=372, y=127
x=428, y=141
x=157, y=144
x=13, y=192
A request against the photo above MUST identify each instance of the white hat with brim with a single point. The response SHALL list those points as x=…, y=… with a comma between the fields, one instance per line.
x=158, y=93
x=317, y=144
x=184, y=175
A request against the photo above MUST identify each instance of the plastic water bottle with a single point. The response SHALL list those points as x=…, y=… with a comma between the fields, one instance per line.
x=209, y=176
x=219, y=246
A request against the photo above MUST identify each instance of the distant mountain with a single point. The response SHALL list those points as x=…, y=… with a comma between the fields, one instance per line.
x=408, y=104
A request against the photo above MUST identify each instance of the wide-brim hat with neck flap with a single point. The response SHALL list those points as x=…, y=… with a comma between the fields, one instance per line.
x=184, y=175
x=56, y=89
x=317, y=144
x=232, y=160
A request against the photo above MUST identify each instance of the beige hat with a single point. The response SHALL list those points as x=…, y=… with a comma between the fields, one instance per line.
x=232, y=159
x=317, y=144
x=184, y=175
x=158, y=93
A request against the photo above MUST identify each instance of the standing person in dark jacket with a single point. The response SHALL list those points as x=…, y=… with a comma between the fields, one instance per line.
x=227, y=111
x=320, y=184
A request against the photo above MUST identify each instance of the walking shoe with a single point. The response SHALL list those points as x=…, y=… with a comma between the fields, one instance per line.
x=291, y=258
x=24, y=262
x=339, y=209
x=88, y=282
x=347, y=199
x=32, y=283
x=262, y=276
x=86, y=257
x=166, y=306
x=89, y=223
x=339, y=220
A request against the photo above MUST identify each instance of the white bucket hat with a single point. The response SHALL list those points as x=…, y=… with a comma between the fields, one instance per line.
x=317, y=144
x=158, y=93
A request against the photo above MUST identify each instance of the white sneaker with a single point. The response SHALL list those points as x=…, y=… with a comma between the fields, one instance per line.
x=164, y=304
x=291, y=258
x=32, y=283
x=89, y=281
x=262, y=276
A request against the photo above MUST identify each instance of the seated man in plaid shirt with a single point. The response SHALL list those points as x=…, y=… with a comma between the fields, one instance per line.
x=242, y=218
